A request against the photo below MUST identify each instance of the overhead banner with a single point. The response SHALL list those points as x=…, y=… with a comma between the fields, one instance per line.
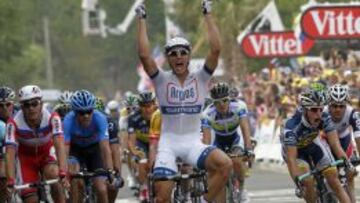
x=275, y=44
x=332, y=22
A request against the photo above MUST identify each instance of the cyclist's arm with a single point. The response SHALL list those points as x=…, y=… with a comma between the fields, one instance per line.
x=245, y=130
x=105, y=149
x=115, y=153
x=215, y=44
x=291, y=154
x=104, y=141
x=355, y=124
x=333, y=140
x=59, y=142
x=153, y=146
x=11, y=148
x=144, y=48
x=206, y=135
x=132, y=144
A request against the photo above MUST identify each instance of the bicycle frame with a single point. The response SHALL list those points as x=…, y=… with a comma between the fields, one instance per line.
x=41, y=190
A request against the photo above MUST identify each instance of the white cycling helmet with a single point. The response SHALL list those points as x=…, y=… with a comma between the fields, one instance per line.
x=339, y=94
x=29, y=92
x=177, y=42
x=112, y=105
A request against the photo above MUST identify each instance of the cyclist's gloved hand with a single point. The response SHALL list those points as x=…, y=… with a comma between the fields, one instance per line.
x=10, y=188
x=118, y=182
x=206, y=6
x=298, y=182
x=349, y=168
x=141, y=11
x=63, y=175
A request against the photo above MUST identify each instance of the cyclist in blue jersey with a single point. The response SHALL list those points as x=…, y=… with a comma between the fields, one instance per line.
x=225, y=116
x=302, y=144
x=115, y=147
x=87, y=139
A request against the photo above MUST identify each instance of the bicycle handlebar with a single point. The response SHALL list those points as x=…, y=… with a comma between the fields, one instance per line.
x=316, y=171
x=179, y=177
x=36, y=184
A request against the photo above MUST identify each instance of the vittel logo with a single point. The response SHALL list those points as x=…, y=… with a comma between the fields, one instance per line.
x=332, y=22
x=274, y=44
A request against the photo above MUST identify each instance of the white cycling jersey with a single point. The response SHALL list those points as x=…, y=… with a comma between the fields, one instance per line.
x=181, y=105
x=350, y=118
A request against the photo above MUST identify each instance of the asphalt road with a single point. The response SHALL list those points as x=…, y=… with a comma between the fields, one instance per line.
x=267, y=184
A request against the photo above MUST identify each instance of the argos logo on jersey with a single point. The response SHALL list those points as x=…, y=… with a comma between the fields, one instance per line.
x=177, y=95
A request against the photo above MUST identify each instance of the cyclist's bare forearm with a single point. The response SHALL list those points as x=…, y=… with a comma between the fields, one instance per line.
x=333, y=140
x=357, y=140
x=144, y=48
x=245, y=130
x=105, y=149
x=10, y=161
x=153, y=150
x=206, y=136
x=291, y=153
x=131, y=142
x=61, y=152
x=215, y=44
x=115, y=153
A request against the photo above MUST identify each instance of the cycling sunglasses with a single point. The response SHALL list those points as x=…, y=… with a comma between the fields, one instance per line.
x=32, y=103
x=221, y=101
x=315, y=109
x=337, y=106
x=85, y=112
x=178, y=52
x=5, y=104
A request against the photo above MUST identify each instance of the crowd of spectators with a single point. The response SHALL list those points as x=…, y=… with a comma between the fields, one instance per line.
x=272, y=93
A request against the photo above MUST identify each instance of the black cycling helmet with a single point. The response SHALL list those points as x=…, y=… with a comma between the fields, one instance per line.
x=146, y=97
x=313, y=98
x=6, y=94
x=220, y=90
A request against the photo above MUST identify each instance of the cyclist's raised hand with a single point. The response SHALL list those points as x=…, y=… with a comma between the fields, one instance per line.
x=141, y=11
x=206, y=6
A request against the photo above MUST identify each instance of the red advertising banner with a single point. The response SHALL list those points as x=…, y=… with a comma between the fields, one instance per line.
x=275, y=44
x=332, y=22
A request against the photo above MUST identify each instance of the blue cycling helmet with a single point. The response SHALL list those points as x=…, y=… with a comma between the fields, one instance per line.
x=83, y=100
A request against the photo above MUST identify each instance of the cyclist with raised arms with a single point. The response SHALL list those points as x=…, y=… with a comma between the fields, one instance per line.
x=302, y=144
x=31, y=135
x=181, y=96
x=347, y=122
x=87, y=142
x=138, y=130
x=225, y=116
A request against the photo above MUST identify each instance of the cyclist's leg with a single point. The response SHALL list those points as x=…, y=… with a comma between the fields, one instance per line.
x=143, y=171
x=165, y=164
x=76, y=186
x=322, y=156
x=309, y=189
x=93, y=163
x=348, y=147
x=51, y=171
x=216, y=162
x=308, y=185
x=2, y=180
x=28, y=169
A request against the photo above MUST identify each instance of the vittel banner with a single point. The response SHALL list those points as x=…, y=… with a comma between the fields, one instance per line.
x=275, y=44
x=332, y=22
